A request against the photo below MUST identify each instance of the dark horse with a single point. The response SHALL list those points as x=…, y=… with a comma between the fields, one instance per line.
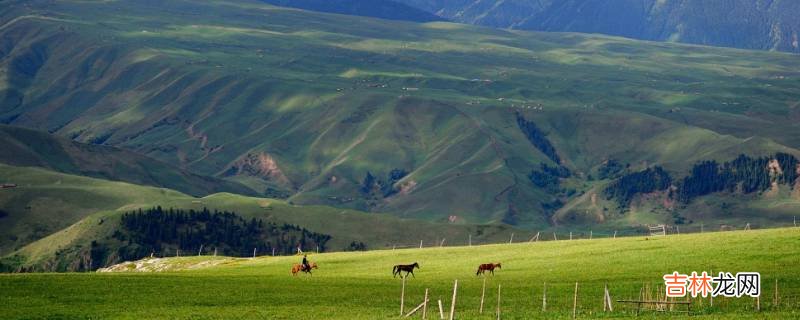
x=408, y=268
x=487, y=267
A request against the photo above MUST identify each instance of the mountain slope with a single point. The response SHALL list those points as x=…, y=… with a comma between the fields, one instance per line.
x=50, y=219
x=746, y=24
x=384, y=9
x=437, y=121
x=24, y=147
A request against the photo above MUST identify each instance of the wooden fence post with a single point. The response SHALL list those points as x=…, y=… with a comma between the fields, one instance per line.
x=758, y=303
x=512, y=238
x=470, y=240
x=498, y=301
x=615, y=234
x=776, y=300
x=420, y=244
x=453, y=302
x=570, y=235
x=273, y=251
x=575, y=301
x=402, y=296
x=200, y=252
x=254, y=252
x=425, y=306
x=441, y=244
x=554, y=236
x=483, y=294
x=544, y=298
x=215, y=251
x=590, y=234
x=441, y=311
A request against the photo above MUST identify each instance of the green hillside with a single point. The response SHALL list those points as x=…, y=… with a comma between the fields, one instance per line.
x=360, y=285
x=308, y=105
x=52, y=218
x=30, y=148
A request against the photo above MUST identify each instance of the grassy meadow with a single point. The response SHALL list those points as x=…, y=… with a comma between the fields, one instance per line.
x=359, y=285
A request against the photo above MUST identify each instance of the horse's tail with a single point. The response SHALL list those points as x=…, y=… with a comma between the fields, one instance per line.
x=394, y=269
x=479, y=271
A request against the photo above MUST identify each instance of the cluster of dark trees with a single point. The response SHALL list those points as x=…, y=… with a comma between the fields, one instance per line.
x=372, y=184
x=624, y=189
x=612, y=168
x=162, y=230
x=537, y=138
x=744, y=174
x=549, y=178
x=356, y=246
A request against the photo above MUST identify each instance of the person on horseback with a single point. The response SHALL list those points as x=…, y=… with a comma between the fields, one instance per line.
x=305, y=265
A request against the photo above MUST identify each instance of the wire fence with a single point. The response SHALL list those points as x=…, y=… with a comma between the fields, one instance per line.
x=466, y=239
x=564, y=234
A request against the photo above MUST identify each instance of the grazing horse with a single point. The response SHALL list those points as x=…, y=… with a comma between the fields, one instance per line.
x=408, y=268
x=488, y=267
x=299, y=267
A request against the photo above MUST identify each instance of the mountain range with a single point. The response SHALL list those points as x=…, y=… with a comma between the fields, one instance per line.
x=392, y=122
x=745, y=24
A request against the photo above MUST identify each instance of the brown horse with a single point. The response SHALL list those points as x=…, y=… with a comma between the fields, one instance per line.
x=299, y=267
x=408, y=268
x=488, y=267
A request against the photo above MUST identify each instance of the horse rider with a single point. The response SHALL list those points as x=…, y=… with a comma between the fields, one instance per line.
x=305, y=263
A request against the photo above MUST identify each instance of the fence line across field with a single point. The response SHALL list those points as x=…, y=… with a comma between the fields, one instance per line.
x=645, y=231
x=650, y=298
x=533, y=237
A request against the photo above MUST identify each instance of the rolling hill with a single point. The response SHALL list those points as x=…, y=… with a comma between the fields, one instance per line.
x=746, y=24
x=51, y=220
x=437, y=121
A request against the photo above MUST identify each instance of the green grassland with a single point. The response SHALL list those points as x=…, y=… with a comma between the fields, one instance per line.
x=359, y=285
x=202, y=85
